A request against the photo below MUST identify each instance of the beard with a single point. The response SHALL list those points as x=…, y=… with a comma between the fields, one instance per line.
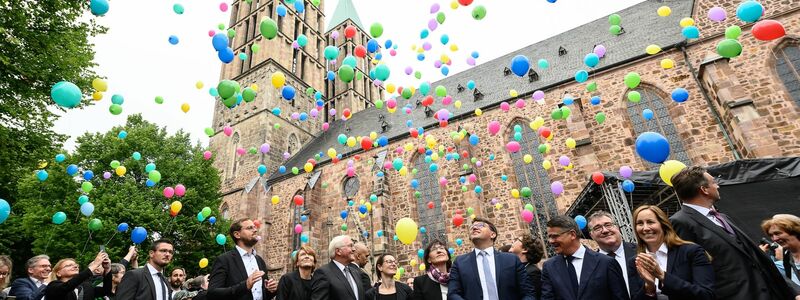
x=249, y=242
x=176, y=284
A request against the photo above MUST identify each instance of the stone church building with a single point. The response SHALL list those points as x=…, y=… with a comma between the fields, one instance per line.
x=744, y=107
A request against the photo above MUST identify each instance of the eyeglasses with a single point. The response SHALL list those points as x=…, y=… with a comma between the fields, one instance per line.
x=44, y=266
x=4, y=274
x=479, y=225
x=166, y=251
x=387, y=262
x=600, y=227
x=249, y=228
x=555, y=236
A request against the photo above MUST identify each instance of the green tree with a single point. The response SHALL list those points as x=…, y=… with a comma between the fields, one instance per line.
x=125, y=198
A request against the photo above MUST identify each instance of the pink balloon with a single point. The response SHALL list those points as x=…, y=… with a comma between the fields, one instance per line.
x=494, y=127
x=223, y=7
x=427, y=46
x=391, y=103
x=472, y=178
x=264, y=148
x=211, y=33
x=206, y=156
x=227, y=130
x=351, y=172
x=398, y=150
x=447, y=100
x=557, y=187
x=295, y=115
x=295, y=45
x=325, y=126
x=286, y=155
x=313, y=113
x=240, y=151
x=505, y=106
x=600, y=50
x=520, y=103
x=527, y=215
x=298, y=228
x=538, y=95
x=437, y=64
x=180, y=190
x=169, y=192
x=432, y=24
x=625, y=171
x=442, y=181
x=717, y=14
x=513, y=146
x=387, y=165
x=470, y=61
x=392, y=52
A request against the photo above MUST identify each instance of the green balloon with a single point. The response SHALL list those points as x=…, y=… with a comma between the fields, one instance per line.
x=418, y=75
x=206, y=211
x=376, y=30
x=315, y=2
x=526, y=191
x=424, y=88
x=565, y=111
x=463, y=188
x=227, y=88
x=309, y=91
x=231, y=33
x=614, y=19
x=154, y=176
x=268, y=28
x=470, y=211
x=249, y=95
x=229, y=102
x=555, y=114
x=87, y=186
x=115, y=109
x=178, y=8
x=255, y=48
x=417, y=194
x=59, y=218
x=615, y=29
x=729, y=48
x=344, y=227
x=542, y=148
x=529, y=207
x=295, y=170
x=159, y=99
x=591, y=87
x=479, y=12
x=95, y=224
x=600, y=117
x=379, y=104
x=346, y=73
x=632, y=80
x=209, y=131
x=634, y=96
x=221, y=26
x=359, y=76
x=441, y=91
x=406, y=94
x=440, y=17
x=114, y=164
x=733, y=32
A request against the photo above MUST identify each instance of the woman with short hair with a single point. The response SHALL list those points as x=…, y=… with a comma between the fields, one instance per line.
x=297, y=284
x=387, y=288
x=433, y=284
x=784, y=229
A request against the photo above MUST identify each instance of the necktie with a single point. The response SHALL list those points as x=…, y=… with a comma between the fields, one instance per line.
x=487, y=273
x=722, y=221
x=573, y=275
x=351, y=281
x=166, y=292
x=612, y=255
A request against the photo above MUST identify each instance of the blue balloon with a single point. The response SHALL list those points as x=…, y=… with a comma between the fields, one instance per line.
x=451, y=250
x=471, y=84
x=690, y=32
x=366, y=234
x=219, y=41
x=474, y=54
x=568, y=100
x=379, y=233
x=282, y=169
x=122, y=134
x=87, y=209
x=445, y=70
x=595, y=100
x=331, y=76
x=212, y=220
x=299, y=6
x=581, y=76
x=150, y=183
x=444, y=39
x=423, y=229
x=304, y=238
x=225, y=55
x=372, y=46
x=42, y=175
x=414, y=183
x=387, y=44
x=138, y=235
x=343, y=214
x=383, y=141
x=581, y=220
x=98, y=7
x=303, y=218
x=262, y=169
x=287, y=92
x=420, y=57
x=421, y=253
x=478, y=189
x=474, y=140
x=362, y=208
x=60, y=157
x=647, y=114
x=72, y=170
x=303, y=116
x=491, y=156
x=88, y=175
x=281, y=10
x=504, y=177
x=591, y=60
x=627, y=186
x=318, y=97
x=680, y=95
x=149, y=167
x=173, y=39
x=424, y=33
x=5, y=210
x=459, y=242
x=122, y=227
x=750, y=11
x=520, y=65
x=652, y=147
x=276, y=111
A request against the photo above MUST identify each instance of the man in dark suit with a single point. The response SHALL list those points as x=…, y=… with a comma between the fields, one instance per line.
x=485, y=273
x=741, y=270
x=339, y=279
x=606, y=233
x=361, y=255
x=29, y=288
x=530, y=251
x=577, y=272
x=148, y=282
x=237, y=274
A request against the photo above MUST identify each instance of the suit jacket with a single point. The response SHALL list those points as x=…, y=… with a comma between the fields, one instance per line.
x=742, y=270
x=228, y=280
x=634, y=281
x=601, y=278
x=25, y=289
x=426, y=288
x=689, y=275
x=137, y=284
x=292, y=287
x=63, y=290
x=402, y=291
x=363, y=276
x=535, y=276
x=329, y=282
x=511, y=279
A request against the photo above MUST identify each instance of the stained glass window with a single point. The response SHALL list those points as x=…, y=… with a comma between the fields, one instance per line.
x=430, y=218
x=297, y=211
x=661, y=122
x=787, y=64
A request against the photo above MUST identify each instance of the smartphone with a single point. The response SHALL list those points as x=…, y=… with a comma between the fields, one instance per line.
x=102, y=248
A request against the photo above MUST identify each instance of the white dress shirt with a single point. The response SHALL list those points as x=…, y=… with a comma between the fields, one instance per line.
x=705, y=212
x=349, y=278
x=479, y=265
x=619, y=255
x=443, y=288
x=661, y=258
x=251, y=265
x=160, y=285
x=577, y=261
x=38, y=282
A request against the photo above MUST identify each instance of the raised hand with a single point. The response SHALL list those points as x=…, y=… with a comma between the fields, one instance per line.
x=256, y=276
x=271, y=285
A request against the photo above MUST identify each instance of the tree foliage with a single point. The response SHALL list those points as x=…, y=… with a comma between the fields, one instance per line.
x=124, y=198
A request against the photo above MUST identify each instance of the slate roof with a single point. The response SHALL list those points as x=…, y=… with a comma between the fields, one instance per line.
x=344, y=10
x=642, y=28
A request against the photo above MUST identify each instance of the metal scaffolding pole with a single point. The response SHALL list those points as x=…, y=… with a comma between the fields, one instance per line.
x=618, y=207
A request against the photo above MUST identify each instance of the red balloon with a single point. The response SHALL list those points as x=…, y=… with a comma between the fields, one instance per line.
x=257, y=223
x=357, y=157
x=399, y=89
x=366, y=143
x=349, y=32
x=767, y=30
x=458, y=220
x=428, y=101
x=443, y=123
x=335, y=160
x=298, y=200
x=414, y=133
x=544, y=131
x=465, y=2
x=598, y=178
x=360, y=51
x=346, y=113
x=421, y=149
x=431, y=205
x=464, y=154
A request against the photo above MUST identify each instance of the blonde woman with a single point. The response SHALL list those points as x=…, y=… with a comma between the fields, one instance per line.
x=5, y=274
x=784, y=229
x=65, y=279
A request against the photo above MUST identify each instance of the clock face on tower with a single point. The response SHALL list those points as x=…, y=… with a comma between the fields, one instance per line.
x=351, y=186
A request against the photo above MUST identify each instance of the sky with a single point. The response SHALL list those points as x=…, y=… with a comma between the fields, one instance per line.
x=139, y=63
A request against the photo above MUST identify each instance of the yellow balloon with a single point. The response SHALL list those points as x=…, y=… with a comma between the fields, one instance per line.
x=42, y=164
x=203, y=262
x=413, y=47
x=198, y=84
x=457, y=104
x=369, y=206
x=667, y=63
x=278, y=79
x=391, y=110
x=175, y=207
x=420, y=50
x=454, y=4
x=498, y=206
x=686, y=22
x=536, y=123
x=431, y=142
x=422, y=267
x=546, y=164
x=444, y=58
x=409, y=147
x=185, y=107
x=390, y=88
x=254, y=87
x=406, y=230
x=413, y=262
x=652, y=49
x=669, y=169
x=403, y=171
x=515, y=193
x=373, y=135
x=121, y=170
x=513, y=93
x=331, y=152
x=569, y=167
x=413, y=90
x=453, y=47
x=100, y=85
x=308, y=167
x=664, y=11
x=478, y=112
x=527, y=158
x=571, y=143
x=351, y=141
x=97, y=95
x=434, y=156
x=276, y=200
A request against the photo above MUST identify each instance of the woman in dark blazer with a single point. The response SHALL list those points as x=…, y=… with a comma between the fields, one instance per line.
x=433, y=284
x=66, y=283
x=671, y=268
x=297, y=284
x=386, y=287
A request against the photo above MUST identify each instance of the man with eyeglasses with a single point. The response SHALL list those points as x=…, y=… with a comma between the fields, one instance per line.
x=485, y=273
x=240, y=274
x=339, y=279
x=608, y=238
x=29, y=288
x=576, y=272
x=148, y=282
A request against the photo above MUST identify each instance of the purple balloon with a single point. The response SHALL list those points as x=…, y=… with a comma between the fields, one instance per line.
x=563, y=160
x=538, y=95
x=332, y=112
x=625, y=171
x=437, y=64
x=427, y=46
x=432, y=24
x=335, y=35
x=313, y=113
x=295, y=116
x=265, y=148
x=557, y=187
x=717, y=14
x=106, y=175
x=409, y=70
x=470, y=61
x=286, y=155
x=434, y=8
x=600, y=50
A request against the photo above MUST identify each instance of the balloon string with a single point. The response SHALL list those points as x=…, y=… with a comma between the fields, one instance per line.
x=87, y=243
x=169, y=224
x=49, y=239
x=109, y=240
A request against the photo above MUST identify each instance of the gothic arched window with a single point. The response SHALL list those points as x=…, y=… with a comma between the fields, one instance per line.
x=294, y=144
x=533, y=176
x=428, y=191
x=787, y=64
x=234, y=157
x=297, y=213
x=661, y=123
x=224, y=211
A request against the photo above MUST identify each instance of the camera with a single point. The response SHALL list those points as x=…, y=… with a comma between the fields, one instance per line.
x=772, y=245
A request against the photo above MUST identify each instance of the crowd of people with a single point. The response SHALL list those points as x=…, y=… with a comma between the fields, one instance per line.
x=698, y=253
